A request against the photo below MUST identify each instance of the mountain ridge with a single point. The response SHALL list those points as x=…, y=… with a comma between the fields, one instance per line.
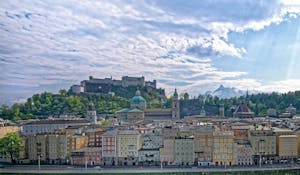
x=226, y=92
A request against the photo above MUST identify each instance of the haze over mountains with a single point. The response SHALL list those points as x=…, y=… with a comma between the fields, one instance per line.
x=226, y=92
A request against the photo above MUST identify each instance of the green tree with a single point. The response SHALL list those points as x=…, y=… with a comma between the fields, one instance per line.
x=63, y=92
x=16, y=112
x=10, y=145
x=105, y=123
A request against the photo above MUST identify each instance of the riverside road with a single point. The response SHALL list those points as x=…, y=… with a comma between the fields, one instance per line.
x=33, y=169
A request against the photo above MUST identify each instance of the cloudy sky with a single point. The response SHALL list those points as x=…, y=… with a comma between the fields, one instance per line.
x=46, y=45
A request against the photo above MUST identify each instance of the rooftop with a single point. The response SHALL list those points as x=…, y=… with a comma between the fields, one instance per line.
x=47, y=122
x=288, y=136
x=275, y=129
x=128, y=132
x=243, y=108
x=135, y=110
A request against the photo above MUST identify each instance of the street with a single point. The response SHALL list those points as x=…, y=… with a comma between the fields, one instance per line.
x=99, y=170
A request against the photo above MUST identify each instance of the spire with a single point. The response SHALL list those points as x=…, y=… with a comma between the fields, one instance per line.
x=91, y=106
x=175, y=93
x=247, y=95
x=203, y=112
x=138, y=92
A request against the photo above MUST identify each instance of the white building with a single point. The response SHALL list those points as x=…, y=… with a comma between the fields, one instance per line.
x=42, y=126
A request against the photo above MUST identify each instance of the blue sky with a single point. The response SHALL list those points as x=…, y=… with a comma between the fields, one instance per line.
x=193, y=45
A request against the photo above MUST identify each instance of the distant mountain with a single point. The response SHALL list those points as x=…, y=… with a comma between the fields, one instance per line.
x=226, y=92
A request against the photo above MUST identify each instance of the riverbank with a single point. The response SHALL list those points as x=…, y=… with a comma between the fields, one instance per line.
x=47, y=169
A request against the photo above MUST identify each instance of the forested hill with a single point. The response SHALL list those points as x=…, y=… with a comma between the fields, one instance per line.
x=65, y=103
x=48, y=104
x=258, y=103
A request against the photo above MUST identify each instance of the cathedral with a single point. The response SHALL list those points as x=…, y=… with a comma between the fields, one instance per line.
x=138, y=110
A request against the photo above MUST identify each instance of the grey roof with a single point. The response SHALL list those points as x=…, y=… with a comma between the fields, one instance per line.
x=47, y=122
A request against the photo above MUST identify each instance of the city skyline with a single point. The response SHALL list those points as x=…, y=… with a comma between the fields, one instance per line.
x=194, y=46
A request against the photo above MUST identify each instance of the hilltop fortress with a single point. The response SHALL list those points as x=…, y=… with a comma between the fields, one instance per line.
x=96, y=85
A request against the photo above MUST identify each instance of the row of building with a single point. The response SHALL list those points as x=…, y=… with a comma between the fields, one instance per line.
x=177, y=144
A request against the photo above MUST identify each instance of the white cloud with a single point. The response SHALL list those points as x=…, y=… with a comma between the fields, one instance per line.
x=50, y=42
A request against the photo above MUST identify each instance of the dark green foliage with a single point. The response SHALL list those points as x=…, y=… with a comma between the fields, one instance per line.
x=10, y=145
x=258, y=103
x=48, y=104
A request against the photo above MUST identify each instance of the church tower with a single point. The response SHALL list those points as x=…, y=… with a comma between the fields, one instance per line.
x=91, y=113
x=203, y=112
x=221, y=110
x=175, y=106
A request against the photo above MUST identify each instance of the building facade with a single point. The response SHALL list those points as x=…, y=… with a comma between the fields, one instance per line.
x=167, y=152
x=94, y=137
x=128, y=144
x=76, y=142
x=109, y=147
x=151, y=143
x=184, y=151
x=223, y=149
x=263, y=143
x=243, y=153
x=149, y=157
x=42, y=126
x=57, y=148
x=90, y=156
x=203, y=141
x=37, y=147
x=287, y=147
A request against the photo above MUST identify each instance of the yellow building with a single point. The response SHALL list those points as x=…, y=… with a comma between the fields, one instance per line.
x=76, y=142
x=203, y=141
x=298, y=138
x=223, y=149
x=167, y=151
x=8, y=129
x=287, y=146
x=128, y=144
x=263, y=142
x=279, y=132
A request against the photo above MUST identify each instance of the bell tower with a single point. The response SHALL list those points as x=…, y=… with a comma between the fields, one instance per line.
x=175, y=106
x=91, y=113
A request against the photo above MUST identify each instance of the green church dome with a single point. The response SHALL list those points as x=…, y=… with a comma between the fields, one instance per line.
x=138, y=99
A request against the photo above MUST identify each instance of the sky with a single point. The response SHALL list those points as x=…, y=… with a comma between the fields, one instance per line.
x=195, y=46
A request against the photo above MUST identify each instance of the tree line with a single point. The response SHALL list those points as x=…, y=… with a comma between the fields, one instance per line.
x=49, y=104
x=65, y=103
x=258, y=103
